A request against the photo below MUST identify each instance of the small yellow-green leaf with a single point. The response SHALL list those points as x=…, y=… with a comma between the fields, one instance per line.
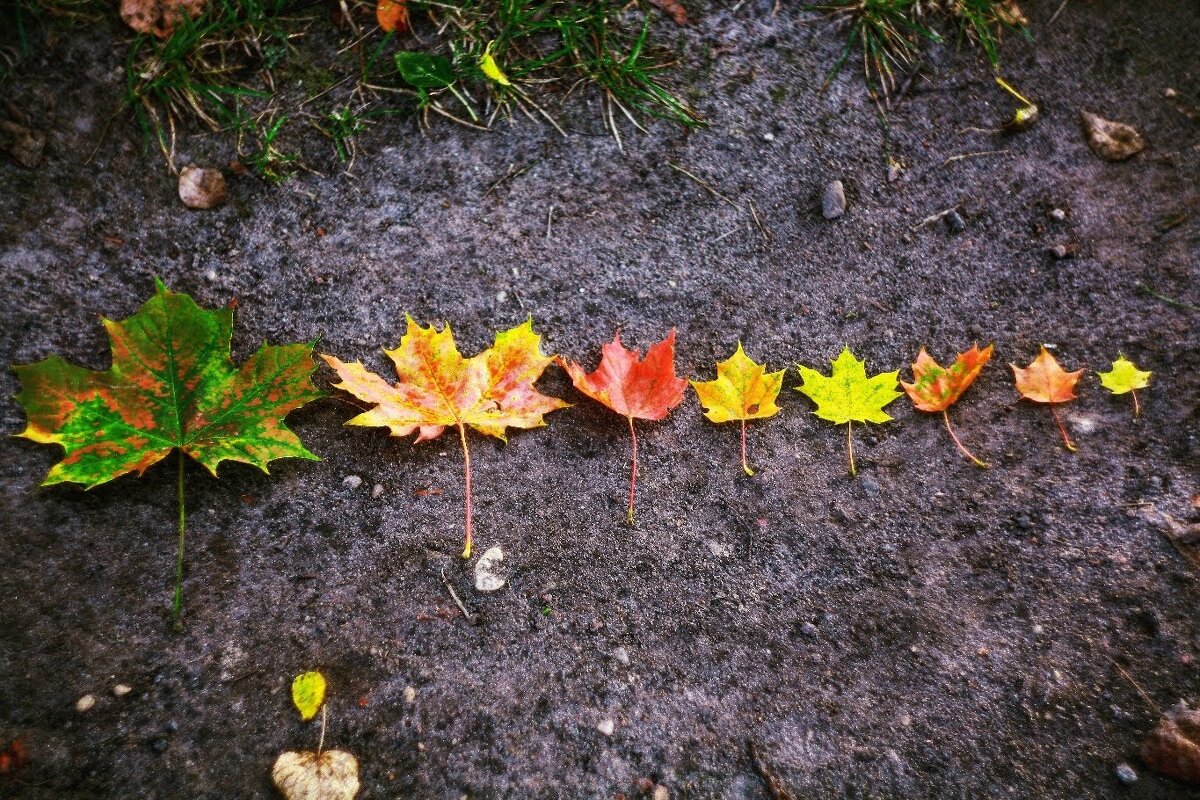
x=487, y=63
x=1124, y=377
x=308, y=693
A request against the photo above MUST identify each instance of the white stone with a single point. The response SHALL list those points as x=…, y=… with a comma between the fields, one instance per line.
x=607, y=727
x=121, y=689
x=490, y=574
x=85, y=703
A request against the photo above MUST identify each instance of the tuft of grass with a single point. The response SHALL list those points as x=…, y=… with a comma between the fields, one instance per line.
x=205, y=67
x=889, y=33
x=547, y=50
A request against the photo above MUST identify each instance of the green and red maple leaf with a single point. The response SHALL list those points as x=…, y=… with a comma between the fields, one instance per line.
x=172, y=385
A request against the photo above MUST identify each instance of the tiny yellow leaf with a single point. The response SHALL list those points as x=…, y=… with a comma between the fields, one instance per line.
x=1124, y=376
x=308, y=693
x=490, y=68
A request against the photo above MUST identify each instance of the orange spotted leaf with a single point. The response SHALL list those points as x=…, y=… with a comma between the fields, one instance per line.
x=392, y=15
x=633, y=387
x=172, y=385
x=935, y=388
x=1044, y=381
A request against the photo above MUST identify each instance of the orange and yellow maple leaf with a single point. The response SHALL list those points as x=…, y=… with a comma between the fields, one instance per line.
x=1044, y=381
x=439, y=388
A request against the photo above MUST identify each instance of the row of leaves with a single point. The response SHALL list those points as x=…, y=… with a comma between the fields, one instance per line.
x=173, y=384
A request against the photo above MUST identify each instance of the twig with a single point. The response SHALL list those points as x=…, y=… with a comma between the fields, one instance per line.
x=754, y=212
x=726, y=233
x=978, y=154
x=513, y=172
x=774, y=784
x=701, y=181
x=1054, y=16
x=549, y=219
x=454, y=594
x=1149, y=700
x=934, y=218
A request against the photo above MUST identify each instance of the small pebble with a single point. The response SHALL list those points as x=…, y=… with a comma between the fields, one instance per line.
x=410, y=695
x=955, y=222
x=833, y=201
x=202, y=188
x=1170, y=93
x=870, y=486
x=809, y=630
x=501, y=296
x=1057, y=214
x=1038, y=630
x=1126, y=774
x=158, y=744
x=607, y=727
x=351, y=481
x=621, y=655
x=85, y=703
x=1061, y=251
x=121, y=689
x=768, y=137
x=377, y=491
x=490, y=573
x=661, y=793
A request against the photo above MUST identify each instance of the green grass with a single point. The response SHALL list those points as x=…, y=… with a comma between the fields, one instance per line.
x=548, y=50
x=237, y=69
x=889, y=34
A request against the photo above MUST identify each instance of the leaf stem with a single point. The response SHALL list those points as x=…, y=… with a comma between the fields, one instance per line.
x=634, y=472
x=1062, y=429
x=850, y=449
x=324, y=717
x=177, y=604
x=745, y=466
x=462, y=435
x=1137, y=407
x=961, y=448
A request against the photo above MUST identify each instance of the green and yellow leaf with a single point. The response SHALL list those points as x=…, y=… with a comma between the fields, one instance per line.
x=171, y=384
x=308, y=694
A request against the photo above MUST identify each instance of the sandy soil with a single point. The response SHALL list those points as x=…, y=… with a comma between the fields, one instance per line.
x=925, y=630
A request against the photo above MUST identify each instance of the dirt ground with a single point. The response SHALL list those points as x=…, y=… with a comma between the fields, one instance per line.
x=928, y=629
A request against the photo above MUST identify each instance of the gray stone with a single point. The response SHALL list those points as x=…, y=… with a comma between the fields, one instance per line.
x=1126, y=774
x=833, y=201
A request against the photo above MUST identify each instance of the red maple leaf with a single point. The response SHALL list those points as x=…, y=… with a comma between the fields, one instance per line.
x=633, y=387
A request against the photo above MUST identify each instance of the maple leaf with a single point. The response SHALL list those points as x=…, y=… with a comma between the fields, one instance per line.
x=171, y=385
x=1044, y=381
x=633, y=387
x=848, y=395
x=438, y=389
x=742, y=390
x=936, y=388
x=1125, y=377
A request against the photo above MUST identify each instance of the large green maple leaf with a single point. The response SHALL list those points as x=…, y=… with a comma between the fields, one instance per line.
x=848, y=395
x=171, y=384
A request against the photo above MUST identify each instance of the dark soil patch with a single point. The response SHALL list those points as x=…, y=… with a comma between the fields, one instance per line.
x=967, y=623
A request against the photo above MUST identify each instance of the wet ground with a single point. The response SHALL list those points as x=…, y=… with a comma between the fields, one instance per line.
x=927, y=629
